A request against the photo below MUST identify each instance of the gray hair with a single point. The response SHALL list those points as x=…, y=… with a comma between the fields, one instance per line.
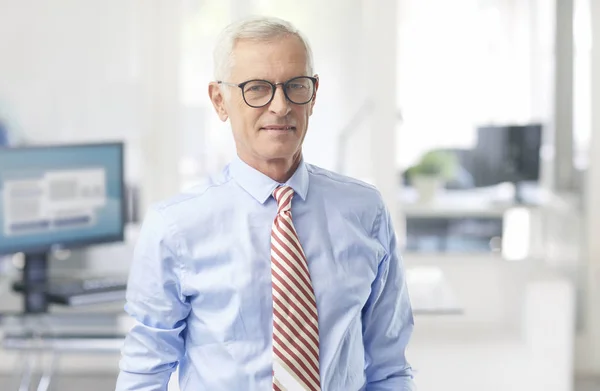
x=255, y=28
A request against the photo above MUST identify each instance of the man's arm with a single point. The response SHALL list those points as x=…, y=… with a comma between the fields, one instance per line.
x=387, y=318
x=155, y=344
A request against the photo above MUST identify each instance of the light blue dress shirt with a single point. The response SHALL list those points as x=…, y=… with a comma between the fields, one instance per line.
x=200, y=286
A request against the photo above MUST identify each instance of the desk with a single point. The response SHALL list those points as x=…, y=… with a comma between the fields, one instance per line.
x=62, y=331
x=57, y=334
x=483, y=221
x=74, y=332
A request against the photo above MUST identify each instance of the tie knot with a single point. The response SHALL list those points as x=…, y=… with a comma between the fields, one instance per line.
x=283, y=195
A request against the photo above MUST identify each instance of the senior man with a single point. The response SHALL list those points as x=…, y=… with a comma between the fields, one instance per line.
x=278, y=275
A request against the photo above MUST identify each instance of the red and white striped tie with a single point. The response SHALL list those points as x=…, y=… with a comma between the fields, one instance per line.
x=295, y=327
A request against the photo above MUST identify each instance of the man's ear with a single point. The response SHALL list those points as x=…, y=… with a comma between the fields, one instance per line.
x=218, y=100
x=312, y=103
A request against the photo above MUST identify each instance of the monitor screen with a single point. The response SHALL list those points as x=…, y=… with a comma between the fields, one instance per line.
x=60, y=196
x=507, y=154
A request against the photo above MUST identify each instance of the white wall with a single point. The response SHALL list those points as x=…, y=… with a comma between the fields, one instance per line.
x=71, y=71
x=97, y=70
x=588, y=357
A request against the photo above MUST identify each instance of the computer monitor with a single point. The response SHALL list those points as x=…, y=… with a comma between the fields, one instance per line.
x=57, y=197
x=508, y=154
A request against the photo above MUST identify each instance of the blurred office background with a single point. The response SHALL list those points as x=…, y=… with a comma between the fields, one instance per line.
x=479, y=121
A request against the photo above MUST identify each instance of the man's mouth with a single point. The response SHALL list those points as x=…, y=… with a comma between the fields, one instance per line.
x=281, y=128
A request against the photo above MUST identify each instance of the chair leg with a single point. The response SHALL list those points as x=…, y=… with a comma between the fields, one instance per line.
x=44, y=383
x=29, y=363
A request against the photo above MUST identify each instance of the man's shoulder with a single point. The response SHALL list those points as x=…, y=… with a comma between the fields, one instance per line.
x=205, y=192
x=345, y=184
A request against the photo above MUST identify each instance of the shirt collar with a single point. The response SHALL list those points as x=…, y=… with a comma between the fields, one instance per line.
x=260, y=186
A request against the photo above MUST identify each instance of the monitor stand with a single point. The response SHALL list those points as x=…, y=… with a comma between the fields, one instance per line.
x=34, y=280
x=518, y=198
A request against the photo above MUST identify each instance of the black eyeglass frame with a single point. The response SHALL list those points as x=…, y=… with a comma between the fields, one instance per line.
x=314, y=81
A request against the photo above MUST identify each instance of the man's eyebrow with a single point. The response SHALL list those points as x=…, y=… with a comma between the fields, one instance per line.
x=282, y=81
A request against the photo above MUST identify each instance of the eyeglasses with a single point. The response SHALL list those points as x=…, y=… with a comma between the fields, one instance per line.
x=259, y=93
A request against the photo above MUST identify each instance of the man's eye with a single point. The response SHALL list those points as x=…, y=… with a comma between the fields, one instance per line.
x=296, y=86
x=257, y=88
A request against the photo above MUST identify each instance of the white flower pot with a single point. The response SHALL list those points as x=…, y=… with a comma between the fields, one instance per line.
x=428, y=187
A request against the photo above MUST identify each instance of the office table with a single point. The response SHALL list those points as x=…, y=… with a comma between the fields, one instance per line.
x=64, y=330
x=73, y=331
x=58, y=334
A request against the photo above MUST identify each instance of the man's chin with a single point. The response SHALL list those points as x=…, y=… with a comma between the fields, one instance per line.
x=281, y=154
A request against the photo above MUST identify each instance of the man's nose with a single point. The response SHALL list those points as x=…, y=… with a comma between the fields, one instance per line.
x=279, y=105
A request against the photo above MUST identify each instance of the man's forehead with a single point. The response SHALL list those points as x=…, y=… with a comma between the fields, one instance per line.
x=278, y=57
x=288, y=41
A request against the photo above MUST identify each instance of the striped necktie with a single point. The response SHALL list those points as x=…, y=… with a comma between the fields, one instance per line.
x=295, y=327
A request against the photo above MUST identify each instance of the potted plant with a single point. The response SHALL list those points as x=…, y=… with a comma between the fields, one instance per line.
x=432, y=171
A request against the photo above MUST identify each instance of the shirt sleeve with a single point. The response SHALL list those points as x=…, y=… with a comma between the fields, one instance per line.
x=387, y=318
x=155, y=344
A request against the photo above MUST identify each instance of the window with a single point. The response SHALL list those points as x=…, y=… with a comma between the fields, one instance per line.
x=465, y=65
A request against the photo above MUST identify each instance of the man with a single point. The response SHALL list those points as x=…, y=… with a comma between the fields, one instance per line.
x=278, y=275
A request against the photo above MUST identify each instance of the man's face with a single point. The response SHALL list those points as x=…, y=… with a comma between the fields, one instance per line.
x=275, y=131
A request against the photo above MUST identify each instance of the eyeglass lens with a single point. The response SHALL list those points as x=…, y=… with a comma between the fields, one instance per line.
x=259, y=93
